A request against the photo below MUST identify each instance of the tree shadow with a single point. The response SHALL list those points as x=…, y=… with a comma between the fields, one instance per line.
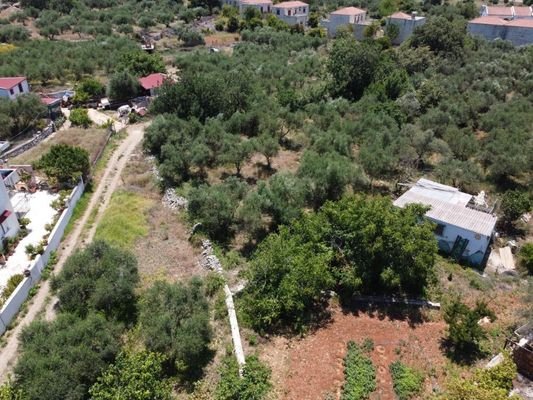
x=467, y=354
x=413, y=315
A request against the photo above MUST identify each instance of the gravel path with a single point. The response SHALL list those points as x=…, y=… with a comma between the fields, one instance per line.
x=99, y=200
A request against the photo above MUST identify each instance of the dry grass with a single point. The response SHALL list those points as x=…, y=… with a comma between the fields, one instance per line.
x=91, y=140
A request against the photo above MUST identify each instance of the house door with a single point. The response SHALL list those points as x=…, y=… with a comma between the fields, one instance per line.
x=459, y=247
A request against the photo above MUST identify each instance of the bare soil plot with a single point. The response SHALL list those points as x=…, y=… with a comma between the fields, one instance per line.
x=312, y=368
x=90, y=139
x=163, y=251
x=221, y=39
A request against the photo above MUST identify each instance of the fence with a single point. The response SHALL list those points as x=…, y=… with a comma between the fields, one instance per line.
x=30, y=143
x=21, y=293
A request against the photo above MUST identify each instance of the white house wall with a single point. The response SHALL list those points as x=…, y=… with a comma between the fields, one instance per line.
x=477, y=244
x=10, y=226
x=517, y=35
x=406, y=28
x=5, y=93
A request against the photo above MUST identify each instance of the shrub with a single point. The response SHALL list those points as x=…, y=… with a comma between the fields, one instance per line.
x=514, y=204
x=10, y=287
x=526, y=257
x=213, y=283
x=80, y=117
x=24, y=222
x=100, y=278
x=359, y=374
x=407, y=381
x=254, y=384
x=65, y=164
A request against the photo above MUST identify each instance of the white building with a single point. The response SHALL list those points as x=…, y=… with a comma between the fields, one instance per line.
x=463, y=229
x=263, y=6
x=347, y=16
x=9, y=225
x=518, y=31
x=512, y=12
x=406, y=24
x=292, y=12
x=11, y=87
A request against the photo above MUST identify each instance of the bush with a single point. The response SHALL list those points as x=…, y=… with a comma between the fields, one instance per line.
x=407, y=381
x=514, y=204
x=80, y=117
x=10, y=287
x=526, y=257
x=123, y=86
x=100, y=278
x=359, y=374
x=174, y=321
x=63, y=358
x=65, y=164
x=254, y=384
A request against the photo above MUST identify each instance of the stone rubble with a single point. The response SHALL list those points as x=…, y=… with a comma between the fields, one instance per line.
x=209, y=260
x=173, y=201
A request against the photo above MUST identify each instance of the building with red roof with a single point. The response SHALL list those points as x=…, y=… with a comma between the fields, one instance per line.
x=512, y=12
x=11, y=87
x=152, y=82
x=292, y=12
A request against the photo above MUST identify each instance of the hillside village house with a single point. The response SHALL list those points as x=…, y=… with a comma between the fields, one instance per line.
x=348, y=16
x=263, y=6
x=292, y=12
x=406, y=24
x=514, y=24
x=11, y=87
x=464, y=228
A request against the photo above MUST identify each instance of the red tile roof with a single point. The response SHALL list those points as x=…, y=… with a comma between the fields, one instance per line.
x=291, y=4
x=152, y=81
x=256, y=2
x=49, y=100
x=349, y=11
x=10, y=82
x=400, y=15
x=499, y=10
x=523, y=11
x=522, y=23
x=489, y=21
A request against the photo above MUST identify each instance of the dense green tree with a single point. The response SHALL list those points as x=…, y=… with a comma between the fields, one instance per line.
x=254, y=384
x=62, y=359
x=352, y=66
x=65, y=164
x=122, y=86
x=514, y=204
x=236, y=151
x=99, y=278
x=442, y=36
x=174, y=321
x=286, y=280
x=216, y=206
x=134, y=376
x=20, y=115
x=140, y=63
x=268, y=146
x=526, y=257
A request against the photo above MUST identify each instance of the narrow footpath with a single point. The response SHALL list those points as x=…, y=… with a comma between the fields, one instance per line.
x=99, y=200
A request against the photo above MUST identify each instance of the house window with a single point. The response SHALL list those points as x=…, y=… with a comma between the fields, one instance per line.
x=289, y=13
x=21, y=90
x=439, y=230
x=277, y=12
x=11, y=92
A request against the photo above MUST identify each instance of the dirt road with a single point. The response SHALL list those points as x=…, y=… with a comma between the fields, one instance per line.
x=99, y=201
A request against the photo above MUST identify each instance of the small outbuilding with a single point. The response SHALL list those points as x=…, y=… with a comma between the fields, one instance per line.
x=151, y=83
x=11, y=87
x=464, y=225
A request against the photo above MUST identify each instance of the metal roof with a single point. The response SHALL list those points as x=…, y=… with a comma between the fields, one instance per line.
x=448, y=206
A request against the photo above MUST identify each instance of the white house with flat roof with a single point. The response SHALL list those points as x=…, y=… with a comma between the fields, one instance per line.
x=9, y=225
x=406, y=24
x=464, y=228
x=347, y=16
x=11, y=87
x=292, y=12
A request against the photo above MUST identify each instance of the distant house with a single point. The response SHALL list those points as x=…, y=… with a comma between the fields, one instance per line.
x=9, y=225
x=464, y=228
x=11, y=87
x=292, y=12
x=151, y=83
x=406, y=24
x=263, y=6
x=518, y=31
x=347, y=16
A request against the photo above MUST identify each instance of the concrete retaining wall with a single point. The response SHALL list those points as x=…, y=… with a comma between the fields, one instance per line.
x=19, y=296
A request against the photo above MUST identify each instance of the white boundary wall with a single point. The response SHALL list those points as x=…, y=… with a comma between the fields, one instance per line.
x=19, y=296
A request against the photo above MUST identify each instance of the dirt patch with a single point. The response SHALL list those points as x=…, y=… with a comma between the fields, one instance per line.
x=312, y=368
x=221, y=39
x=165, y=251
x=91, y=140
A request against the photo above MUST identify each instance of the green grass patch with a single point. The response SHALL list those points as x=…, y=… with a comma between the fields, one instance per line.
x=125, y=220
x=359, y=373
x=407, y=382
